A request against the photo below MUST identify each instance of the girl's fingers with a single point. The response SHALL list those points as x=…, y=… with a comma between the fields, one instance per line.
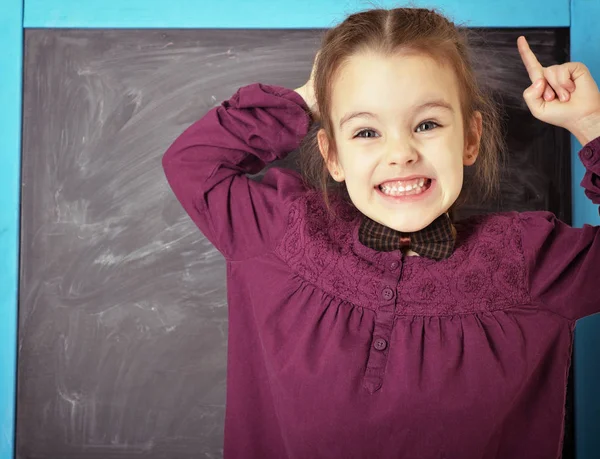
x=552, y=77
x=549, y=93
x=535, y=70
x=532, y=65
x=559, y=77
x=564, y=78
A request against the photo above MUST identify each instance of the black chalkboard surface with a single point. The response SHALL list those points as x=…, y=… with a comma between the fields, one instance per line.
x=123, y=314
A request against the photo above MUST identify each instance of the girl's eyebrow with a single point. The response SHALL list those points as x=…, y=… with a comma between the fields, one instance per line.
x=437, y=103
x=348, y=116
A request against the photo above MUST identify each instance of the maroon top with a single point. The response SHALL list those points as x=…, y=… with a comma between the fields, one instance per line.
x=340, y=351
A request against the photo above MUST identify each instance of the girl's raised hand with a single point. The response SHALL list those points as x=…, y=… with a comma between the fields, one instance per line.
x=307, y=91
x=562, y=95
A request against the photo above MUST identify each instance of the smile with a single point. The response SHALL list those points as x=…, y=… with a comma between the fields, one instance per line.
x=405, y=187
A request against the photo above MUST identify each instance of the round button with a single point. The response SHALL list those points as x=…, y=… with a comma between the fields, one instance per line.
x=587, y=153
x=387, y=293
x=393, y=265
x=380, y=344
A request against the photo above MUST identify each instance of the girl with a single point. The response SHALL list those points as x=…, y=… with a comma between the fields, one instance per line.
x=366, y=323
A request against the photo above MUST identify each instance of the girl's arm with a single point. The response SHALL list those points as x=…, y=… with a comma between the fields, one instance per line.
x=207, y=165
x=564, y=262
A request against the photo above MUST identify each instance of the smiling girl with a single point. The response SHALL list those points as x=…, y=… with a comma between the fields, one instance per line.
x=363, y=321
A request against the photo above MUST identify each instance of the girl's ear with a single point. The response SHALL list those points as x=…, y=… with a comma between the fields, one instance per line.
x=473, y=140
x=333, y=165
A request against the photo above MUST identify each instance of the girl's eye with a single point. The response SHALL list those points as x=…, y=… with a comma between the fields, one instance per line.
x=364, y=132
x=429, y=125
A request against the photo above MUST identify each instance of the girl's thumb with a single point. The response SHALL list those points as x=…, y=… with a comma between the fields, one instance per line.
x=533, y=95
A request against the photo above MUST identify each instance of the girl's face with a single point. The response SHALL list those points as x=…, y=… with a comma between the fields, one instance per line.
x=399, y=132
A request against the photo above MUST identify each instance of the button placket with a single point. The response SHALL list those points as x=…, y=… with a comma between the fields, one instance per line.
x=380, y=345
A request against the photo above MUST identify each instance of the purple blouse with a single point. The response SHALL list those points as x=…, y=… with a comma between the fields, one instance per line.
x=339, y=351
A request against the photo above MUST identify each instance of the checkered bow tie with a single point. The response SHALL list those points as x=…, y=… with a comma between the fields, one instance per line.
x=435, y=241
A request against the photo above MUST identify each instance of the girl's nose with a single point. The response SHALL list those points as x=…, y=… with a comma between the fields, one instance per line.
x=401, y=153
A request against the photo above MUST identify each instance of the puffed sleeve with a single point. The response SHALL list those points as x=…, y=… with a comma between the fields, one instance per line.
x=207, y=165
x=563, y=262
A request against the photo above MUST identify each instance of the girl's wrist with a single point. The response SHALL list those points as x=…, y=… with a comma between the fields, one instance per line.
x=587, y=129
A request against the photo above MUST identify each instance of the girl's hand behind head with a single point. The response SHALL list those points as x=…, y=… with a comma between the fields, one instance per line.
x=307, y=91
x=562, y=95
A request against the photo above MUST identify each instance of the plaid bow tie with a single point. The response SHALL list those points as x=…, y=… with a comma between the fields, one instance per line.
x=434, y=241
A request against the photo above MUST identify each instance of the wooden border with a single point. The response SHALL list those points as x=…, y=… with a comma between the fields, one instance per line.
x=580, y=15
x=11, y=58
x=278, y=13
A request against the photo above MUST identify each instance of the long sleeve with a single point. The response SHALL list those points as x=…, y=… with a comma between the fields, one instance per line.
x=564, y=262
x=206, y=167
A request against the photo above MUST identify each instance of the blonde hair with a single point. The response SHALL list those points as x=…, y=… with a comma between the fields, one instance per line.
x=388, y=32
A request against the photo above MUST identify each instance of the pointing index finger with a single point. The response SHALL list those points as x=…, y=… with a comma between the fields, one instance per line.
x=532, y=65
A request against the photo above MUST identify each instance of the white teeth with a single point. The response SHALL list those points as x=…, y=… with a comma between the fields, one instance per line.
x=398, y=190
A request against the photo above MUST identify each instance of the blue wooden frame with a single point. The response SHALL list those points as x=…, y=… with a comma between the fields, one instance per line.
x=16, y=15
x=278, y=14
x=11, y=35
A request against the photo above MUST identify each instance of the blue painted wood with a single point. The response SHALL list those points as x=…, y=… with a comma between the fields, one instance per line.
x=277, y=14
x=585, y=47
x=11, y=35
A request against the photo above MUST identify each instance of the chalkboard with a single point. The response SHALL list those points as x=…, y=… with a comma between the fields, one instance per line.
x=123, y=313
